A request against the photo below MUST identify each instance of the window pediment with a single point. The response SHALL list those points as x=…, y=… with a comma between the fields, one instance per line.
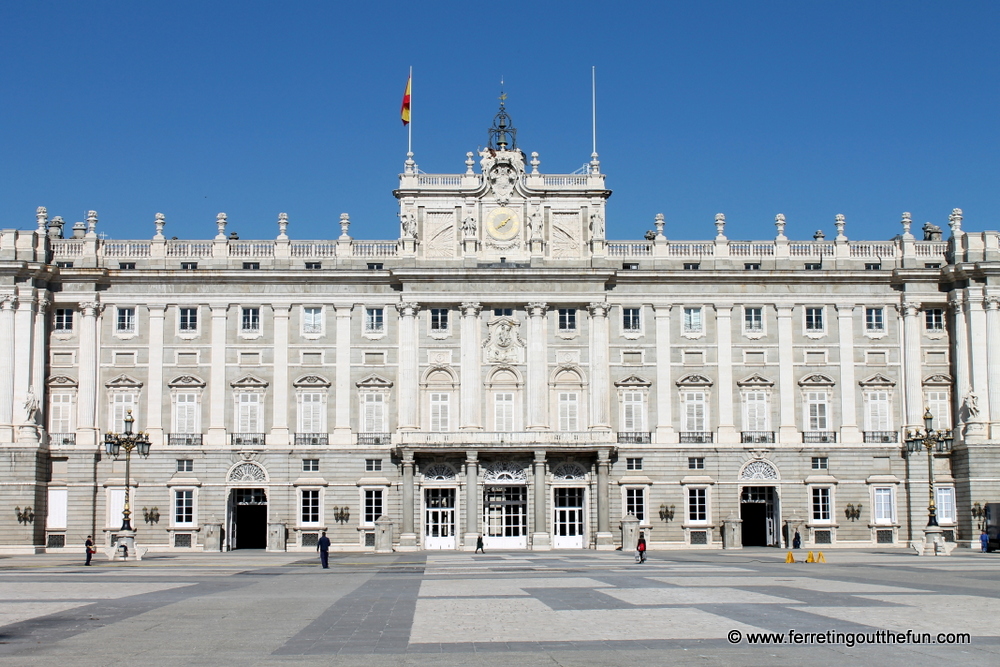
x=249, y=381
x=311, y=381
x=938, y=380
x=123, y=382
x=374, y=381
x=62, y=381
x=694, y=380
x=755, y=380
x=877, y=380
x=633, y=381
x=187, y=382
x=816, y=380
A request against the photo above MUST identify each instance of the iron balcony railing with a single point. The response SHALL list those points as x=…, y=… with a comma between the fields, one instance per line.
x=306, y=439
x=756, y=437
x=185, y=439
x=68, y=439
x=374, y=439
x=819, y=436
x=634, y=437
x=247, y=439
x=696, y=436
x=881, y=436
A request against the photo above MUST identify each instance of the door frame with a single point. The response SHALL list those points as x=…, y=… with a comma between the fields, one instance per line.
x=584, y=537
x=424, y=539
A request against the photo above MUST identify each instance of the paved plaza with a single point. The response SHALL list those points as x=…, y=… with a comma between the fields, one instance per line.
x=510, y=608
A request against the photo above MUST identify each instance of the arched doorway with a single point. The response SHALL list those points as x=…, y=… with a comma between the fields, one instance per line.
x=246, y=507
x=759, y=505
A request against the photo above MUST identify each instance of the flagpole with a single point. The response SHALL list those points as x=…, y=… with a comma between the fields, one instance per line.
x=409, y=126
x=593, y=105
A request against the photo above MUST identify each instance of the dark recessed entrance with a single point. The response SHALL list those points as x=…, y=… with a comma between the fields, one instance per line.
x=248, y=519
x=759, y=514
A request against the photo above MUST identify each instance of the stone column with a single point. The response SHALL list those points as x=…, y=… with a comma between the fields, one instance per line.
x=540, y=537
x=849, y=431
x=992, y=305
x=787, y=431
x=605, y=540
x=217, y=379
x=914, y=397
x=8, y=303
x=280, y=433
x=956, y=301
x=664, y=394
x=537, y=394
x=599, y=371
x=408, y=538
x=978, y=354
x=471, y=368
x=154, y=393
x=471, y=500
x=24, y=342
x=86, y=415
x=342, y=419
x=408, y=396
x=38, y=359
x=724, y=326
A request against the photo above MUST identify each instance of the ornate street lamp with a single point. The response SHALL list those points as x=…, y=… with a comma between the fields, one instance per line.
x=930, y=440
x=113, y=444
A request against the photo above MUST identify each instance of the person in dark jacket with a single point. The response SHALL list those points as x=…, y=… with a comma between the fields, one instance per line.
x=89, y=545
x=984, y=541
x=479, y=545
x=323, y=547
x=797, y=540
x=640, y=549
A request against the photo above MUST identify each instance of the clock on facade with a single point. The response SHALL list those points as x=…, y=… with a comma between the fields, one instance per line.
x=503, y=224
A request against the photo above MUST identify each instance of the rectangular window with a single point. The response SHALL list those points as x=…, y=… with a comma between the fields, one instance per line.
x=755, y=412
x=691, y=266
x=814, y=319
x=503, y=412
x=61, y=413
x=939, y=403
x=314, y=266
x=696, y=463
x=885, y=504
x=692, y=320
x=250, y=320
x=875, y=319
x=63, y=319
x=374, y=266
x=311, y=413
x=753, y=319
x=821, y=504
x=946, y=504
x=439, y=319
x=312, y=320
x=635, y=503
x=185, y=465
x=816, y=411
x=934, y=319
x=440, y=412
x=248, y=413
x=877, y=417
x=698, y=505
x=568, y=411
x=120, y=406
x=125, y=322
x=310, y=505
x=374, y=413
x=567, y=319
x=633, y=464
x=373, y=465
x=633, y=411
x=126, y=266
x=820, y=463
x=503, y=312
x=694, y=411
x=310, y=465
x=813, y=267
x=188, y=319
x=374, y=320
x=189, y=266
x=186, y=413
x=630, y=266
x=373, y=505
x=251, y=266
x=183, y=508
x=873, y=266
x=631, y=320
x=751, y=266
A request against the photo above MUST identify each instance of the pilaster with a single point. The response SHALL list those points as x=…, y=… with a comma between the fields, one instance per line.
x=605, y=540
x=86, y=416
x=849, y=431
x=342, y=416
x=992, y=305
x=664, y=414
x=540, y=537
x=724, y=332
x=913, y=398
x=280, y=434
x=471, y=500
x=471, y=368
x=8, y=304
x=217, y=379
x=409, y=391
x=537, y=385
x=154, y=392
x=787, y=431
x=408, y=537
x=599, y=371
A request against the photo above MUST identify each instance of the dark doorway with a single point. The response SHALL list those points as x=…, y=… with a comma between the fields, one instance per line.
x=248, y=516
x=754, y=517
x=759, y=511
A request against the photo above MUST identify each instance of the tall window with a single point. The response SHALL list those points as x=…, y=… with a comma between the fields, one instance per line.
x=250, y=320
x=503, y=312
x=439, y=319
x=816, y=411
x=63, y=320
x=753, y=319
x=821, y=503
x=885, y=504
x=934, y=319
x=440, y=411
x=503, y=411
x=373, y=505
x=946, y=504
x=692, y=320
x=755, y=417
x=695, y=410
x=814, y=319
x=877, y=417
x=698, y=505
x=939, y=403
x=374, y=320
x=875, y=319
x=373, y=417
x=312, y=320
x=310, y=506
x=183, y=507
x=188, y=319
x=186, y=413
x=61, y=413
x=126, y=320
x=635, y=503
x=248, y=413
x=633, y=411
x=567, y=319
x=631, y=320
x=311, y=413
x=569, y=411
x=120, y=405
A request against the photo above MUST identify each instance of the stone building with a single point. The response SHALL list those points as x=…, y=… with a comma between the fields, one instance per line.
x=501, y=369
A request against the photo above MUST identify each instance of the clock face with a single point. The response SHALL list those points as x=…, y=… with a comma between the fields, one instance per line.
x=503, y=224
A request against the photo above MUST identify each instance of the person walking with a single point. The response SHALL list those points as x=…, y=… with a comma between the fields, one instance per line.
x=89, y=545
x=640, y=549
x=323, y=547
x=479, y=545
x=984, y=541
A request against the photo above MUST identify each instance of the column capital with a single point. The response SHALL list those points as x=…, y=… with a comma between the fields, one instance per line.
x=603, y=456
x=281, y=310
x=219, y=310
x=537, y=308
x=90, y=308
x=408, y=308
x=956, y=299
x=43, y=304
x=598, y=309
x=725, y=309
x=540, y=456
x=784, y=311
x=471, y=308
x=156, y=309
x=991, y=302
x=662, y=309
x=845, y=309
x=407, y=455
x=8, y=302
x=472, y=456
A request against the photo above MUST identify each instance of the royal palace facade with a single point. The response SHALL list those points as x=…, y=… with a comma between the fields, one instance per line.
x=500, y=370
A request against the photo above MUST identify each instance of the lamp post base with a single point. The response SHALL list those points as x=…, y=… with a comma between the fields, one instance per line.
x=934, y=543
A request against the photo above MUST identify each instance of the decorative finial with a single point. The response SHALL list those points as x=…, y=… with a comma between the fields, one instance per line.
x=345, y=223
x=595, y=164
x=161, y=220
x=409, y=167
x=819, y=235
x=468, y=164
x=659, y=221
x=840, y=222
x=42, y=216
x=534, y=162
x=91, y=223
x=779, y=222
x=503, y=135
x=720, y=226
x=282, y=226
x=907, y=221
x=56, y=227
x=955, y=221
x=220, y=222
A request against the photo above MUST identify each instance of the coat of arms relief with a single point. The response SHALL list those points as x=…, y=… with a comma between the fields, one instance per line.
x=504, y=344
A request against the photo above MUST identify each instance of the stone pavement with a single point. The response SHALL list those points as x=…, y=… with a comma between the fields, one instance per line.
x=510, y=608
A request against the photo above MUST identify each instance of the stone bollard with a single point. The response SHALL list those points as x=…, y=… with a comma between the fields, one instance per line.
x=276, y=536
x=212, y=537
x=383, y=535
x=630, y=533
x=732, y=532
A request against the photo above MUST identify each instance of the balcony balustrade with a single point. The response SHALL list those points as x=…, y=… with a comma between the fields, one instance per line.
x=247, y=439
x=696, y=437
x=185, y=439
x=307, y=439
x=757, y=437
x=634, y=438
x=815, y=437
x=876, y=437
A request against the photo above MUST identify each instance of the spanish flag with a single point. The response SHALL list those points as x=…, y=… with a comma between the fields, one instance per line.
x=404, y=112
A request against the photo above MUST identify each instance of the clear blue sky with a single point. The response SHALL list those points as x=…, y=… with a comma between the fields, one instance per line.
x=254, y=108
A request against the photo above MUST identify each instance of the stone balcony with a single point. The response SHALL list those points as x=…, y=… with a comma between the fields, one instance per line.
x=512, y=441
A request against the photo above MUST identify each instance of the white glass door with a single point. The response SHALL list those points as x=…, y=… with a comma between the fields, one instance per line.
x=439, y=518
x=505, y=510
x=567, y=524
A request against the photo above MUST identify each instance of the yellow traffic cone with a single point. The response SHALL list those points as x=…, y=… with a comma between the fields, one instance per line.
x=809, y=558
x=789, y=558
x=820, y=558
